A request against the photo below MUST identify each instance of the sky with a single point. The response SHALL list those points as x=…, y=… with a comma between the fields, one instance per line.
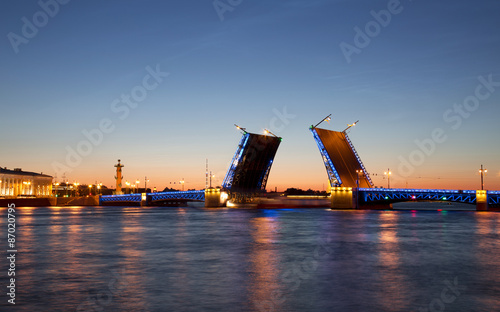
x=160, y=85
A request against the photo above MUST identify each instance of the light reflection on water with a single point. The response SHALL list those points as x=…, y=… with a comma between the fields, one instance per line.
x=188, y=259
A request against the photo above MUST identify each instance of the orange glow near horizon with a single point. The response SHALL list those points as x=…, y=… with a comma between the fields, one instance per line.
x=283, y=179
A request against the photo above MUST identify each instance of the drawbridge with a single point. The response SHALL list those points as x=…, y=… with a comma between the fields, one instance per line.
x=249, y=169
x=343, y=164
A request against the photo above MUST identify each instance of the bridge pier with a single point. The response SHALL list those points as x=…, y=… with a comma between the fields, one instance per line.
x=481, y=200
x=144, y=200
x=342, y=198
x=214, y=198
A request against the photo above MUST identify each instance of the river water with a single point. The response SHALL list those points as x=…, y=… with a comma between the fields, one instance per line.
x=196, y=259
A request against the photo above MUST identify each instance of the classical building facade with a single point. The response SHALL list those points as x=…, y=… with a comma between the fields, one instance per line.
x=18, y=183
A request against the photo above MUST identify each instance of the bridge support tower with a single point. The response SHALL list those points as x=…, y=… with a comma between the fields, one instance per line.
x=481, y=200
x=343, y=198
x=215, y=197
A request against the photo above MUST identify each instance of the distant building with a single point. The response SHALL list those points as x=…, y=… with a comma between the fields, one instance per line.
x=17, y=183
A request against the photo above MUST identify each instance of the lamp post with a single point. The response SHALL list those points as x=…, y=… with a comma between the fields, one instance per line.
x=482, y=171
x=146, y=184
x=182, y=182
x=137, y=185
x=90, y=189
x=388, y=174
x=327, y=119
x=127, y=183
x=357, y=187
x=211, y=176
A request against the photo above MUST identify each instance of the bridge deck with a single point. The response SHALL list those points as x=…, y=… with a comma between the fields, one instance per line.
x=251, y=164
x=341, y=157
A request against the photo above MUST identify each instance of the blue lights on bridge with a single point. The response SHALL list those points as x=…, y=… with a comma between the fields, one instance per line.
x=190, y=195
x=228, y=179
x=137, y=198
x=333, y=175
x=463, y=196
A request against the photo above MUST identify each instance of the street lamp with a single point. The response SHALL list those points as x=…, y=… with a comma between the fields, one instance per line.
x=146, y=184
x=482, y=171
x=90, y=189
x=137, y=185
x=211, y=176
x=357, y=187
x=266, y=131
x=182, y=182
x=127, y=183
x=327, y=119
x=388, y=174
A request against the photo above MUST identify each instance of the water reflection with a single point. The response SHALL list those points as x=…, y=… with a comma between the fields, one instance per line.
x=131, y=238
x=180, y=259
x=488, y=252
x=265, y=263
x=393, y=279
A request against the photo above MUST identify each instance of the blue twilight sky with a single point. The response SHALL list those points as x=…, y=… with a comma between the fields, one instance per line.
x=281, y=65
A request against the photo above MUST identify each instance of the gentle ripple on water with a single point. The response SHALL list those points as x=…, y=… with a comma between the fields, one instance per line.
x=194, y=259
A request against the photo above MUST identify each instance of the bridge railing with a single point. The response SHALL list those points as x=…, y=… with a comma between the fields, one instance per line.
x=463, y=196
x=191, y=195
x=358, y=158
x=333, y=175
x=121, y=198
